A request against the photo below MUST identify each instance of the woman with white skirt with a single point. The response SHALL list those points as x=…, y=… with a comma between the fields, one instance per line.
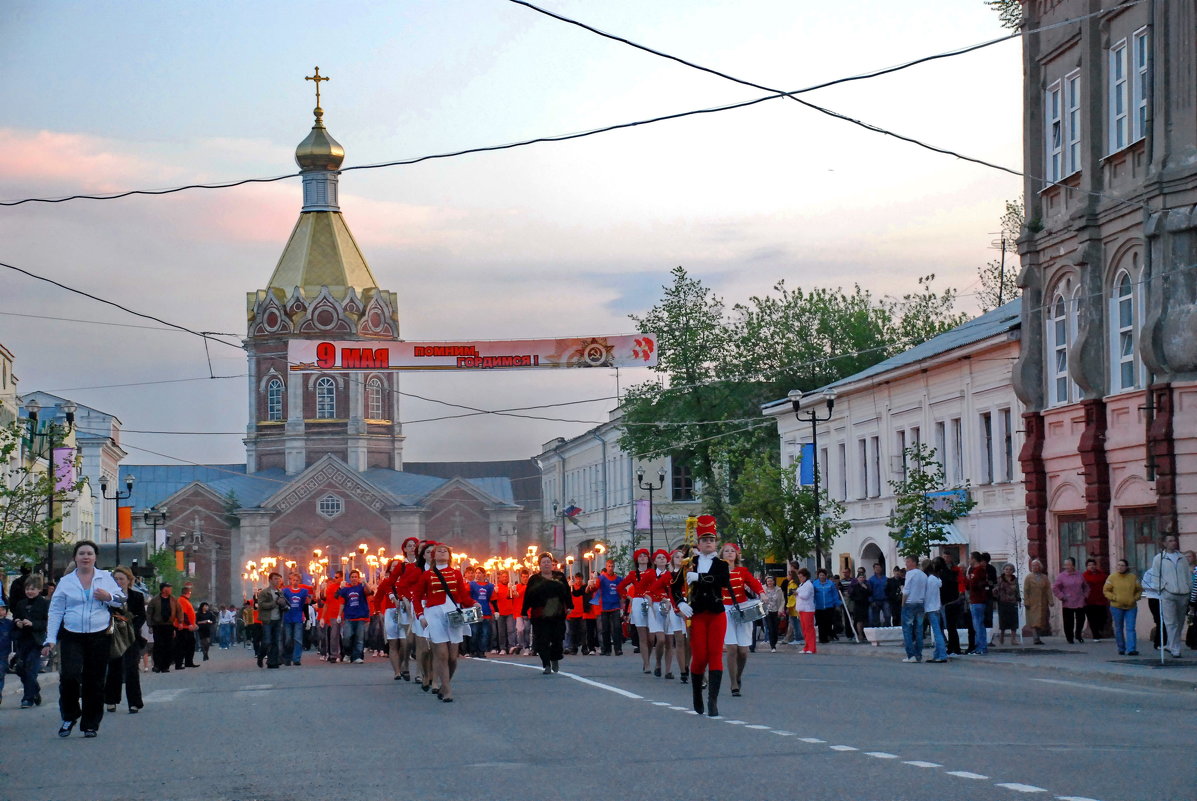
x=739, y=633
x=629, y=588
x=443, y=590
x=656, y=588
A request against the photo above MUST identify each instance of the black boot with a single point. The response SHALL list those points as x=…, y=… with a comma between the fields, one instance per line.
x=697, y=689
x=716, y=678
x=685, y=676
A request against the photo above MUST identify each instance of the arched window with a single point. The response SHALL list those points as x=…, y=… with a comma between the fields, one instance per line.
x=1124, y=368
x=374, y=399
x=1059, y=338
x=274, y=399
x=326, y=398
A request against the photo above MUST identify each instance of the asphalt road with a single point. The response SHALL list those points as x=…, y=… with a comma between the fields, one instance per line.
x=832, y=726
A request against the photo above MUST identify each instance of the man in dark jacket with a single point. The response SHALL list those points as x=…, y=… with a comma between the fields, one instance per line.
x=162, y=613
x=30, y=612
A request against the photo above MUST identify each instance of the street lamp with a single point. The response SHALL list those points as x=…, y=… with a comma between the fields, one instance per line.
x=813, y=418
x=32, y=408
x=117, y=496
x=154, y=518
x=651, y=489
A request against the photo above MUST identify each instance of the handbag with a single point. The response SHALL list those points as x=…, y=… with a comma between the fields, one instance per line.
x=122, y=634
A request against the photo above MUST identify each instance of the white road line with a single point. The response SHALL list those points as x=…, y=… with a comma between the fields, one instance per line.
x=964, y=774
x=843, y=748
x=1085, y=686
x=680, y=709
x=590, y=682
x=1022, y=788
x=735, y=722
x=758, y=726
x=783, y=733
x=1074, y=798
x=660, y=703
x=880, y=755
x=164, y=695
x=918, y=763
x=811, y=740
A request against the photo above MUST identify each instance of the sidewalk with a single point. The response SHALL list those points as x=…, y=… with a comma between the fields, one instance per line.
x=1090, y=660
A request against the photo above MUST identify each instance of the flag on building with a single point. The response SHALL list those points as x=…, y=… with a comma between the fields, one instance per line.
x=558, y=537
x=643, y=514
x=64, y=469
x=806, y=467
x=124, y=522
x=572, y=511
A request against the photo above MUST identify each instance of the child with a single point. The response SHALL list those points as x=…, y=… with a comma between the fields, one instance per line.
x=30, y=617
x=6, y=632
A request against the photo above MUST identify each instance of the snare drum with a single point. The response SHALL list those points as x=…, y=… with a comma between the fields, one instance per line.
x=465, y=617
x=749, y=611
x=664, y=608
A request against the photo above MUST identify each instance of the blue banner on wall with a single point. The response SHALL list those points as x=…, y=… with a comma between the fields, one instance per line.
x=806, y=468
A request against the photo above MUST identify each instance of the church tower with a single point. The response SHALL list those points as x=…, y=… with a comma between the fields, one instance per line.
x=322, y=288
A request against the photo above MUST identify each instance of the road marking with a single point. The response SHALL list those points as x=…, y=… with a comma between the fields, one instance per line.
x=1084, y=686
x=880, y=755
x=590, y=682
x=843, y=748
x=811, y=740
x=735, y=722
x=660, y=703
x=783, y=733
x=681, y=709
x=164, y=695
x=1022, y=788
x=1074, y=798
x=758, y=726
x=920, y=764
x=964, y=774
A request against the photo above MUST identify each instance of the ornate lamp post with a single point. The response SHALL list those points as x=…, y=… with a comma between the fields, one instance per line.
x=651, y=489
x=117, y=496
x=810, y=416
x=68, y=409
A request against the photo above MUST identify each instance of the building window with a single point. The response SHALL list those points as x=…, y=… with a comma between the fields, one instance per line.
x=941, y=444
x=1072, y=539
x=864, y=468
x=957, y=471
x=374, y=399
x=682, y=480
x=1054, y=118
x=1072, y=123
x=842, y=457
x=326, y=398
x=901, y=466
x=1139, y=543
x=274, y=399
x=1140, y=88
x=1119, y=99
x=1058, y=338
x=986, y=448
x=874, y=467
x=330, y=506
x=1124, y=370
x=1007, y=445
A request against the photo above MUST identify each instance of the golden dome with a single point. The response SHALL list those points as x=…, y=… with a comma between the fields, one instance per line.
x=319, y=151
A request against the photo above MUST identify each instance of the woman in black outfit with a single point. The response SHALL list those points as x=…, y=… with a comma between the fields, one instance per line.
x=949, y=597
x=123, y=669
x=205, y=618
x=546, y=602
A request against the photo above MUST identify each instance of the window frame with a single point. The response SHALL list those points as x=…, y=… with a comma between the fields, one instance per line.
x=1060, y=384
x=326, y=398
x=1053, y=131
x=1140, y=55
x=986, y=440
x=1123, y=338
x=1119, y=96
x=374, y=404
x=1072, y=123
x=275, y=394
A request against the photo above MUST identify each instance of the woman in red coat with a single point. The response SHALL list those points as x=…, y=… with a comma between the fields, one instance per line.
x=655, y=588
x=739, y=634
x=395, y=596
x=443, y=590
x=629, y=588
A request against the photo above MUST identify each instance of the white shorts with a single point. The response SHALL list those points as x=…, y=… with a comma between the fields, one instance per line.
x=418, y=629
x=393, y=626
x=439, y=628
x=657, y=623
x=677, y=624
x=737, y=633
x=638, y=616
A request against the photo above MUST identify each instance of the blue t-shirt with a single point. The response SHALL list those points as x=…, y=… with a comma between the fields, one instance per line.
x=609, y=590
x=877, y=586
x=357, y=605
x=482, y=593
x=296, y=603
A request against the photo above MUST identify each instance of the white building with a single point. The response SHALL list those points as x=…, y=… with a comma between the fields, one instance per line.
x=593, y=473
x=952, y=393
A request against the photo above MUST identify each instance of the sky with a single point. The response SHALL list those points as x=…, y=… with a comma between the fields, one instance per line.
x=555, y=239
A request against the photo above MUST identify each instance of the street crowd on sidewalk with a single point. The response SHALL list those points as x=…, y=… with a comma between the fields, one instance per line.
x=697, y=611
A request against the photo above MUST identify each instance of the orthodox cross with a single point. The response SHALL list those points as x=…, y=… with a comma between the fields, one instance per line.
x=317, y=78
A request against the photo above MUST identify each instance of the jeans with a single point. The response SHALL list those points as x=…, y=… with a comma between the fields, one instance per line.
x=272, y=631
x=1124, y=621
x=912, y=630
x=795, y=631
x=353, y=633
x=879, y=613
x=292, y=642
x=935, y=619
x=505, y=625
x=978, y=613
x=523, y=632
x=480, y=637
x=612, y=635
x=30, y=656
x=226, y=634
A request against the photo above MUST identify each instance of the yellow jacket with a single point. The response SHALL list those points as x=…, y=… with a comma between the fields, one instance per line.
x=1123, y=589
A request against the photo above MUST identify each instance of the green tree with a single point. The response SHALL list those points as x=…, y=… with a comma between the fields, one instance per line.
x=166, y=568
x=918, y=517
x=775, y=515
x=24, y=494
x=999, y=281
x=1009, y=12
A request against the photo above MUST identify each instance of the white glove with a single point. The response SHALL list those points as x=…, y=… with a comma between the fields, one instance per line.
x=685, y=609
x=691, y=577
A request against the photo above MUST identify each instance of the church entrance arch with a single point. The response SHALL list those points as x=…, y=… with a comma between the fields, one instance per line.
x=871, y=554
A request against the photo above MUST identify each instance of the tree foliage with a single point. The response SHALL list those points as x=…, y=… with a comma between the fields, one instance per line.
x=917, y=521
x=718, y=365
x=24, y=494
x=1000, y=284
x=166, y=568
x=1009, y=12
x=775, y=516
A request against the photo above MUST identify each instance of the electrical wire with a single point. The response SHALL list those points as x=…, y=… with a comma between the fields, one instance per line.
x=620, y=126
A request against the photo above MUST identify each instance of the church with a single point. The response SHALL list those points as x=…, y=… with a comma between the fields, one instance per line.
x=324, y=475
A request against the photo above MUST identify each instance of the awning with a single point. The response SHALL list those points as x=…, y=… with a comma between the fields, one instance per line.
x=949, y=535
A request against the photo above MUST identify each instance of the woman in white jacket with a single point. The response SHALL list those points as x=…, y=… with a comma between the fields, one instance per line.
x=804, y=603
x=79, y=619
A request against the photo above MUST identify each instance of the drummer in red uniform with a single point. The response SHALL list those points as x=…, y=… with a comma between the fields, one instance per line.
x=443, y=590
x=739, y=633
x=707, y=577
x=655, y=588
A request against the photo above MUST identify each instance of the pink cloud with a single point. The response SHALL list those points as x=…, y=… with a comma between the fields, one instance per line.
x=87, y=162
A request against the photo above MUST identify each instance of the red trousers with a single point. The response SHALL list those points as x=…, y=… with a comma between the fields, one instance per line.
x=706, y=641
x=808, y=630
